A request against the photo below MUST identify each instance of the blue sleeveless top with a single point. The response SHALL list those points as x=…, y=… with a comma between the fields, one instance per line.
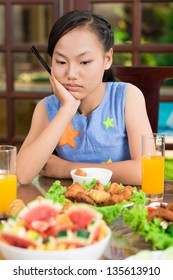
x=102, y=137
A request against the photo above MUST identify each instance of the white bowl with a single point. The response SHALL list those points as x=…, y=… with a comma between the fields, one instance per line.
x=102, y=174
x=90, y=252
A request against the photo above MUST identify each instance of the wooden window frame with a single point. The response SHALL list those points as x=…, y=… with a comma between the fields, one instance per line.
x=59, y=7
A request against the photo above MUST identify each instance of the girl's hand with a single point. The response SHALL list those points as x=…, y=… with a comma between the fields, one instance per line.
x=63, y=95
x=55, y=168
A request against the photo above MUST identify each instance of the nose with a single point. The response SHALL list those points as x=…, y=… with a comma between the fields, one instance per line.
x=72, y=72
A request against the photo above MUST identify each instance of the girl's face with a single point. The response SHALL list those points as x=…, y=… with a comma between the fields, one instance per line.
x=79, y=61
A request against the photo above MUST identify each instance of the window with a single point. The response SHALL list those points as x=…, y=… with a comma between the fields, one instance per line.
x=143, y=33
x=23, y=80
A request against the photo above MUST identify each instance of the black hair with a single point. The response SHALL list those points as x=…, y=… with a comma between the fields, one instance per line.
x=95, y=23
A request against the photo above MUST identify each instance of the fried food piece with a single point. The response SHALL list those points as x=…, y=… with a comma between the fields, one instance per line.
x=76, y=187
x=98, y=186
x=39, y=197
x=130, y=188
x=161, y=213
x=82, y=197
x=15, y=206
x=66, y=206
x=80, y=172
x=127, y=188
x=123, y=197
x=112, y=200
x=169, y=206
x=97, y=195
x=125, y=193
x=113, y=188
x=69, y=194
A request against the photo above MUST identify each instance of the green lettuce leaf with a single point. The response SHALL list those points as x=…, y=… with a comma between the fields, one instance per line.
x=111, y=212
x=56, y=192
x=135, y=216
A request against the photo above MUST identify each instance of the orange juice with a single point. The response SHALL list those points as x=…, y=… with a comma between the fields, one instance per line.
x=8, y=190
x=153, y=174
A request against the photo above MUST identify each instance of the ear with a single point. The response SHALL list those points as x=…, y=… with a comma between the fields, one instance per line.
x=108, y=59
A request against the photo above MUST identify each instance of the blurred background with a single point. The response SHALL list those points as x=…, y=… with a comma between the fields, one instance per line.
x=143, y=32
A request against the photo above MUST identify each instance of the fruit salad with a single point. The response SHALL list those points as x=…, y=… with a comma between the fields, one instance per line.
x=46, y=225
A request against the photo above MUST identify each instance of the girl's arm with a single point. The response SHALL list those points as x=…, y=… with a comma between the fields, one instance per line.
x=44, y=135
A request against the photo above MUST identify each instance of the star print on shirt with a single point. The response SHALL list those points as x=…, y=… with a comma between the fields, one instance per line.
x=108, y=161
x=108, y=122
x=68, y=136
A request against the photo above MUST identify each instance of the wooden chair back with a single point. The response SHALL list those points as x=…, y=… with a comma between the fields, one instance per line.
x=148, y=80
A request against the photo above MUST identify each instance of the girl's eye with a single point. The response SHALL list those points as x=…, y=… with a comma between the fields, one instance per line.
x=60, y=62
x=86, y=62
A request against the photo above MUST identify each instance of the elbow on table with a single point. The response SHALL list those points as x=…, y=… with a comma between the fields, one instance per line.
x=23, y=178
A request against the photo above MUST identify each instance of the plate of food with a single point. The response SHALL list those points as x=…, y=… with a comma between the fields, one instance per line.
x=153, y=222
x=44, y=229
x=109, y=199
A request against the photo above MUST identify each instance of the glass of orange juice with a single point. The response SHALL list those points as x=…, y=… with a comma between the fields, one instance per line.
x=8, y=180
x=153, y=152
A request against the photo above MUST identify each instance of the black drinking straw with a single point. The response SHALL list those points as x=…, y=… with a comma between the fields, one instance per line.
x=41, y=59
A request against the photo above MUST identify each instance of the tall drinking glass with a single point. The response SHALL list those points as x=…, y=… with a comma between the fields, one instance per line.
x=8, y=180
x=153, y=152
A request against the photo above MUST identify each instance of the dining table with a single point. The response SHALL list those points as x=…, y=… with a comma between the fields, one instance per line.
x=124, y=241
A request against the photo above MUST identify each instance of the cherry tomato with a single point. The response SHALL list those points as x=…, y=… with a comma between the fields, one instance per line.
x=150, y=209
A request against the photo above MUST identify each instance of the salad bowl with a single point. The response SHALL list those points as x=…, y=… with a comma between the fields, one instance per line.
x=90, y=252
x=46, y=230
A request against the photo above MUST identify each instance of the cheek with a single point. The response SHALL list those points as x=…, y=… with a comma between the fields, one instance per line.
x=59, y=73
x=96, y=71
x=96, y=67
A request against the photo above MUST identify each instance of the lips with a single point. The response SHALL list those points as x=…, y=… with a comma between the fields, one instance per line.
x=72, y=87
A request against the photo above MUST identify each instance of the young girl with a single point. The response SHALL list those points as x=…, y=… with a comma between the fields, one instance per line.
x=90, y=121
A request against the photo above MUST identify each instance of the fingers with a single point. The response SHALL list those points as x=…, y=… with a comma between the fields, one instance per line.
x=56, y=85
x=52, y=84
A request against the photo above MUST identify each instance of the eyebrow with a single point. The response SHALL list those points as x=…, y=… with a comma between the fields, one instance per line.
x=79, y=55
